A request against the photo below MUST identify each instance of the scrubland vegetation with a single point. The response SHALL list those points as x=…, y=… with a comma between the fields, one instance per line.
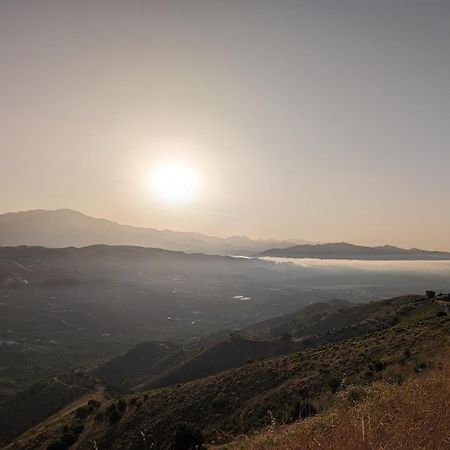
x=411, y=415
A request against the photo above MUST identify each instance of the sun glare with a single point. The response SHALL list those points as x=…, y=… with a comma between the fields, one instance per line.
x=174, y=183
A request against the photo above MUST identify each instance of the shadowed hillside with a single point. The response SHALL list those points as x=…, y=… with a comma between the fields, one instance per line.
x=153, y=364
x=290, y=386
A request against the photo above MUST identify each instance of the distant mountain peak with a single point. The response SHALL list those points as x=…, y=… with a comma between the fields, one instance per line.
x=66, y=227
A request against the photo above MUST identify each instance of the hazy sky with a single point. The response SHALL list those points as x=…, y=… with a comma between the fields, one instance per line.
x=323, y=120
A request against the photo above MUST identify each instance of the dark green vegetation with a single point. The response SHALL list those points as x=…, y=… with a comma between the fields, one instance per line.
x=340, y=345
x=342, y=250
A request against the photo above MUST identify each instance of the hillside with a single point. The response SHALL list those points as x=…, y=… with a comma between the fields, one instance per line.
x=297, y=384
x=155, y=364
x=74, y=308
x=301, y=319
x=412, y=415
x=62, y=309
x=68, y=228
x=44, y=398
x=342, y=250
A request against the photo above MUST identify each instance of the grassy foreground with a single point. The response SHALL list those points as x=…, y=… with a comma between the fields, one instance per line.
x=413, y=415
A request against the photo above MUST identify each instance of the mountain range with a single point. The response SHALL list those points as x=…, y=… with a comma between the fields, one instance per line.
x=69, y=228
x=343, y=250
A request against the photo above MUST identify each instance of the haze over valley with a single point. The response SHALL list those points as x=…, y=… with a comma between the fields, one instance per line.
x=223, y=225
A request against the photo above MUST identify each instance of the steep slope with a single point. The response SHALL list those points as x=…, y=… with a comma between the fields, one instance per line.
x=66, y=228
x=411, y=415
x=40, y=401
x=239, y=400
x=154, y=365
x=343, y=250
x=141, y=363
x=232, y=352
x=298, y=320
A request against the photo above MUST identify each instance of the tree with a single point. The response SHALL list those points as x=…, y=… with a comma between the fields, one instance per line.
x=430, y=294
x=188, y=436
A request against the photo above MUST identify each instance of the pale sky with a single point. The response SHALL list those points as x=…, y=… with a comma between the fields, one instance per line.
x=322, y=120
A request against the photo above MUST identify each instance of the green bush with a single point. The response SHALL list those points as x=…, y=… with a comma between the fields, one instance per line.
x=69, y=438
x=334, y=383
x=220, y=400
x=93, y=404
x=82, y=412
x=114, y=416
x=78, y=429
x=298, y=409
x=56, y=445
x=112, y=407
x=188, y=436
x=377, y=366
x=121, y=405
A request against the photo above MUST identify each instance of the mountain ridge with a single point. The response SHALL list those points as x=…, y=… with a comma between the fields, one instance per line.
x=67, y=228
x=344, y=250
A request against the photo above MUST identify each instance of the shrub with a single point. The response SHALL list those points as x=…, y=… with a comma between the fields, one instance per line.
x=355, y=394
x=121, y=405
x=334, y=383
x=82, y=412
x=78, y=429
x=421, y=366
x=441, y=314
x=56, y=445
x=94, y=404
x=220, y=400
x=298, y=409
x=68, y=439
x=376, y=366
x=188, y=436
x=112, y=407
x=115, y=416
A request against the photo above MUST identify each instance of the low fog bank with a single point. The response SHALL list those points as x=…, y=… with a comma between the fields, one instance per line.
x=429, y=267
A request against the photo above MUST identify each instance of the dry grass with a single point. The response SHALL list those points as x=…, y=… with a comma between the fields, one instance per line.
x=415, y=415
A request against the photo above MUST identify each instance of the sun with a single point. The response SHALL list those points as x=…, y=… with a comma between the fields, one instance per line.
x=174, y=182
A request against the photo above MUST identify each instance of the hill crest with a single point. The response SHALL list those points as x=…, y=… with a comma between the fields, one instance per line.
x=344, y=250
